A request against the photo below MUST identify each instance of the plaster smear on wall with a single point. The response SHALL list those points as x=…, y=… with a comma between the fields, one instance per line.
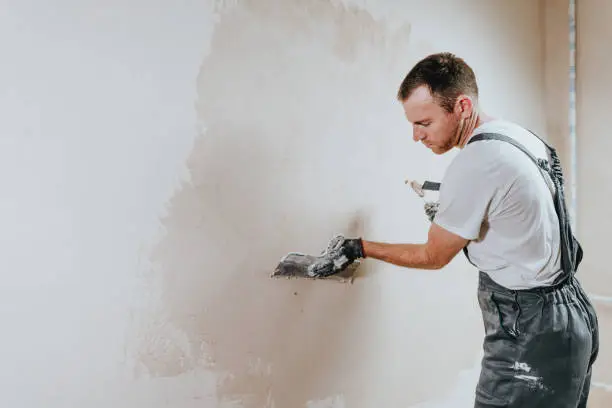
x=292, y=96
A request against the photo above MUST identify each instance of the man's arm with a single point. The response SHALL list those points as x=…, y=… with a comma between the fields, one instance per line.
x=440, y=248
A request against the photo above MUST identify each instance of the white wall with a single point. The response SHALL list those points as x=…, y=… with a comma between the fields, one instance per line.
x=594, y=190
x=157, y=161
x=555, y=77
x=593, y=63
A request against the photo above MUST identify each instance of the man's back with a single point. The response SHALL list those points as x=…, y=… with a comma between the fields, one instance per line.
x=493, y=194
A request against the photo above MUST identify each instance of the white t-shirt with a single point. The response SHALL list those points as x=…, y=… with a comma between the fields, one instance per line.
x=494, y=195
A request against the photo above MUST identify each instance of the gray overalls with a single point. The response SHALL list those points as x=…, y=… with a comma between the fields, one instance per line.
x=540, y=344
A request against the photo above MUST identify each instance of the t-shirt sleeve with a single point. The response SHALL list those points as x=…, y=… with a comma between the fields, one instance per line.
x=465, y=195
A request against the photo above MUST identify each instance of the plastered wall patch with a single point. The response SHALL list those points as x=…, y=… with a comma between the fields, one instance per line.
x=280, y=95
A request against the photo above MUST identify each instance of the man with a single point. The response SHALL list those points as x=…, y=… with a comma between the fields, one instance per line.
x=504, y=207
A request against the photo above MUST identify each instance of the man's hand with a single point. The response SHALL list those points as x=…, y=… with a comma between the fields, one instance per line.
x=346, y=253
x=340, y=253
x=431, y=209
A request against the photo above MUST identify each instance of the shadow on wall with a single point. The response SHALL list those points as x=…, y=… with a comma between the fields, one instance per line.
x=284, y=96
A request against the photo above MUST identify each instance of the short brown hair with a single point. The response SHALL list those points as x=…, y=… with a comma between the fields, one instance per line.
x=446, y=75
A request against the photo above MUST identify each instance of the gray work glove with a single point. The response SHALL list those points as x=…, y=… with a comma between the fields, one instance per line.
x=352, y=248
x=341, y=252
x=431, y=209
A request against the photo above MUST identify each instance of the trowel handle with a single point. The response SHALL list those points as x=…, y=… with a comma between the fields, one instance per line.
x=420, y=188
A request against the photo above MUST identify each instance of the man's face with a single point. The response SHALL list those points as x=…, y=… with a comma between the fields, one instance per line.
x=431, y=124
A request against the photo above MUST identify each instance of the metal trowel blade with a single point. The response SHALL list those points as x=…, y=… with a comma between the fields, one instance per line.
x=296, y=265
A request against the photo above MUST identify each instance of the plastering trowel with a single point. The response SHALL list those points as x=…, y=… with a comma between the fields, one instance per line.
x=330, y=263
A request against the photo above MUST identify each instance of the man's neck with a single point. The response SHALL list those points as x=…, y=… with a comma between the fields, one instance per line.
x=467, y=127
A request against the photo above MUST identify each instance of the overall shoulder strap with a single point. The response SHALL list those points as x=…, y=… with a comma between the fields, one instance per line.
x=571, y=252
x=504, y=138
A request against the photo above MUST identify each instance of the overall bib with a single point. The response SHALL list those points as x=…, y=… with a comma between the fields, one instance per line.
x=539, y=344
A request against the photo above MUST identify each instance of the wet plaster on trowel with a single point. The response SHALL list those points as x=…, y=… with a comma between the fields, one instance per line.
x=290, y=100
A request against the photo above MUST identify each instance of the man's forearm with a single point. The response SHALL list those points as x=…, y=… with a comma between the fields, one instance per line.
x=406, y=255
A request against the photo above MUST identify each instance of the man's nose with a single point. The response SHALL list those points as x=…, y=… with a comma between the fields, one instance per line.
x=417, y=134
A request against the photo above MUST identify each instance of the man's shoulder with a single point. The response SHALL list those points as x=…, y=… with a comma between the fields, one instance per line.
x=473, y=165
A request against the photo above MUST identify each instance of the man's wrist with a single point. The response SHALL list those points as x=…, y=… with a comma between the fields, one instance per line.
x=363, y=243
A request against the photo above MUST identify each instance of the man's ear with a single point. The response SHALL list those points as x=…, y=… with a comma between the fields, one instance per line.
x=464, y=106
